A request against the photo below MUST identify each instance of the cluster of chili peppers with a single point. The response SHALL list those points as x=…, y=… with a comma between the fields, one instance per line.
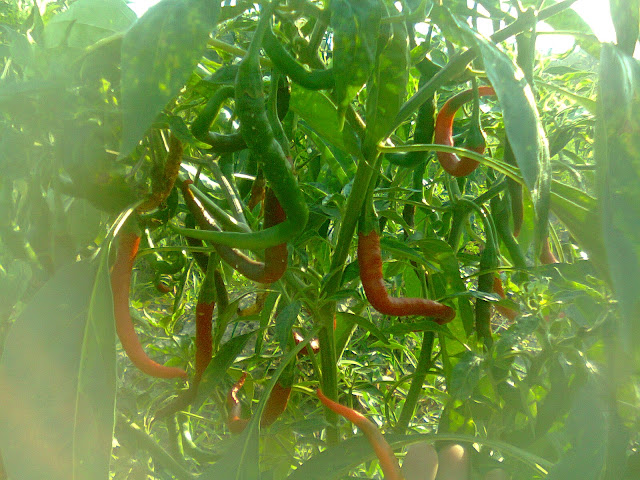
x=285, y=215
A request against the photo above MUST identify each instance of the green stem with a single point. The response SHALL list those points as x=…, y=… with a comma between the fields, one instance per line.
x=328, y=358
x=419, y=375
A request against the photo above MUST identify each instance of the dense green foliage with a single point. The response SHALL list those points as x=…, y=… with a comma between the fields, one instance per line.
x=302, y=122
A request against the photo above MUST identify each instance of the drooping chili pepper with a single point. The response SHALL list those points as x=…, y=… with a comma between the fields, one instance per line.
x=546, y=255
x=257, y=132
x=506, y=311
x=204, y=318
x=163, y=183
x=275, y=263
x=235, y=422
x=219, y=142
x=275, y=406
x=311, y=80
x=451, y=163
x=386, y=457
x=120, y=284
x=370, y=262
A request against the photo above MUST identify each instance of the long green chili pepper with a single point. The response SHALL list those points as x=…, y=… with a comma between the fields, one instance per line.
x=201, y=258
x=275, y=257
x=488, y=265
x=257, y=132
x=219, y=142
x=311, y=80
x=425, y=123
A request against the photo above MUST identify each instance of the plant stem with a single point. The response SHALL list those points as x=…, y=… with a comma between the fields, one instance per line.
x=419, y=375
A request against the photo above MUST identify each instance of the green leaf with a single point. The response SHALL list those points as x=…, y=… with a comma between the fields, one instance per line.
x=465, y=375
x=523, y=126
x=355, y=40
x=58, y=379
x=87, y=21
x=219, y=365
x=321, y=116
x=579, y=213
x=284, y=323
x=626, y=20
x=587, y=427
x=442, y=253
x=159, y=53
x=387, y=88
x=569, y=20
x=618, y=162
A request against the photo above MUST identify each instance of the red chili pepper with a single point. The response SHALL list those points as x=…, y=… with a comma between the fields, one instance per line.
x=235, y=423
x=443, y=135
x=276, y=405
x=497, y=288
x=370, y=261
x=383, y=451
x=204, y=318
x=546, y=255
x=120, y=284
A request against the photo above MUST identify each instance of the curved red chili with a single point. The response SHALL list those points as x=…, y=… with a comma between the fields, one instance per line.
x=386, y=457
x=120, y=284
x=443, y=134
x=370, y=261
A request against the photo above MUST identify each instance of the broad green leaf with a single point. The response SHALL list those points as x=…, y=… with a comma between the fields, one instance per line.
x=355, y=41
x=284, y=323
x=618, y=162
x=387, y=87
x=626, y=20
x=569, y=20
x=87, y=21
x=465, y=375
x=442, y=253
x=159, y=53
x=363, y=323
x=523, y=126
x=58, y=379
x=579, y=213
x=321, y=115
x=587, y=427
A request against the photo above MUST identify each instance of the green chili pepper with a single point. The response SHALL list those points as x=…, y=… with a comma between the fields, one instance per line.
x=314, y=80
x=257, y=132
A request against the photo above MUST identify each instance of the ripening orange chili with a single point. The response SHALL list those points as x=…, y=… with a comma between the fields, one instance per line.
x=443, y=134
x=370, y=262
x=315, y=344
x=120, y=284
x=204, y=318
x=497, y=288
x=386, y=457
